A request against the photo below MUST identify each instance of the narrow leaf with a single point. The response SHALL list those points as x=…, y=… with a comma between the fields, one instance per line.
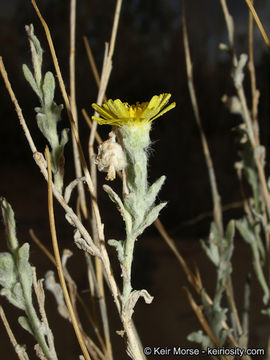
x=48, y=89
x=30, y=78
x=23, y=321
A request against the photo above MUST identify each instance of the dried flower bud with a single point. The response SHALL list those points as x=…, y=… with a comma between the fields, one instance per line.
x=111, y=157
x=232, y=103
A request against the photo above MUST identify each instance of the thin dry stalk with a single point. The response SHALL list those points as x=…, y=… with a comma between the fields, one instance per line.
x=198, y=311
x=58, y=261
x=41, y=246
x=258, y=22
x=98, y=265
x=92, y=348
x=170, y=242
x=20, y=350
x=91, y=60
x=107, y=67
x=103, y=310
x=217, y=210
x=73, y=105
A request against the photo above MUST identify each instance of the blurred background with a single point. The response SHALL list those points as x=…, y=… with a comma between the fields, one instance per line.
x=149, y=59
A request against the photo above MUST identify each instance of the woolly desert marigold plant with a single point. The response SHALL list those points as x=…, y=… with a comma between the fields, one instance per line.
x=138, y=206
x=116, y=112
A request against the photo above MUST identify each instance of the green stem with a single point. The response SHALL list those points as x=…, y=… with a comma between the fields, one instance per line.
x=126, y=268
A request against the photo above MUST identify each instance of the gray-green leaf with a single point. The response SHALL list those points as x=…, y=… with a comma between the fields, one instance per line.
x=48, y=89
x=30, y=78
x=23, y=321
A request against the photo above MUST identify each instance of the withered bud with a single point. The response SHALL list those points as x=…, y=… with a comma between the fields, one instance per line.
x=111, y=157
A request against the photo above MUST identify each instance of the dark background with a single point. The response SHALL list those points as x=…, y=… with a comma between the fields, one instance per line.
x=148, y=60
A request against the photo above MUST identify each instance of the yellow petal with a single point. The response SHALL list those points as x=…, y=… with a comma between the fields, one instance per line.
x=117, y=108
x=168, y=108
x=102, y=111
x=155, y=105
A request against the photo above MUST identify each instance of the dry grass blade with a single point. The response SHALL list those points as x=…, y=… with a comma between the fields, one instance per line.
x=170, y=242
x=41, y=246
x=58, y=261
x=92, y=62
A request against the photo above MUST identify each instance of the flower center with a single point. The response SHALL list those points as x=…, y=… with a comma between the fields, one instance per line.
x=135, y=111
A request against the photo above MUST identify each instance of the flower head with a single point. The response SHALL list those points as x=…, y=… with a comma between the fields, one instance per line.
x=115, y=112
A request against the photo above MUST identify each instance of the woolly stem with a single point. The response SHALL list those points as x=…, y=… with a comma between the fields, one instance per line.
x=126, y=268
x=136, y=140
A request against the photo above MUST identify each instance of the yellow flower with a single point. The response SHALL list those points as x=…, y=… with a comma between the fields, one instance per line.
x=115, y=112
